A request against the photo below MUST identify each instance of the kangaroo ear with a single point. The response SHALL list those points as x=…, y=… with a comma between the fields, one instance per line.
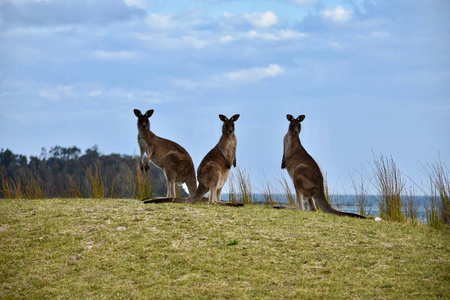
x=289, y=118
x=137, y=112
x=301, y=118
x=223, y=118
x=235, y=118
x=149, y=113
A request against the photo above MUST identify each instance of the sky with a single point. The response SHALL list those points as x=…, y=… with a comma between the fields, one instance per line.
x=372, y=78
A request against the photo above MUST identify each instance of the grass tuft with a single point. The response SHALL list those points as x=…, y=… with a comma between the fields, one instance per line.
x=286, y=188
x=361, y=195
x=95, y=178
x=390, y=185
x=244, y=186
x=439, y=209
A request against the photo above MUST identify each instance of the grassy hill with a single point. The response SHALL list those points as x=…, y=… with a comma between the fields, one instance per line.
x=112, y=248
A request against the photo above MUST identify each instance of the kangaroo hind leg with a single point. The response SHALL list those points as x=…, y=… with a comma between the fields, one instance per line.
x=171, y=189
x=312, y=204
x=300, y=204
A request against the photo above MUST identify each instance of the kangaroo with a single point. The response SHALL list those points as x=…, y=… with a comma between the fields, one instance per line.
x=173, y=159
x=212, y=172
x=304, y=171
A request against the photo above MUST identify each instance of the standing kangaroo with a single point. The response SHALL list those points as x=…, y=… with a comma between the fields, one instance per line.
x=304, y=171
x=214, y=168
x=173, y=159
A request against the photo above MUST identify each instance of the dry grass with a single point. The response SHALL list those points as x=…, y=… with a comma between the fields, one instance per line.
x=360, y=191
x=287, y=190
x=439, y=208
x=244, y=186
x=390, y=185
x=25, y=186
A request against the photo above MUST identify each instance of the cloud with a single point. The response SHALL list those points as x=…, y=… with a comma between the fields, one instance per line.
x=56, y=93
x=115, y=55
x=164, y=41
x=47, y=13
x=95, y=93
x=186, y=84
x=254, y=74
x=161, y=22
x=337, y=14
x=380, y=34
x=137, y=3
x=302, y=2
x=281, y=35
x=264, y=20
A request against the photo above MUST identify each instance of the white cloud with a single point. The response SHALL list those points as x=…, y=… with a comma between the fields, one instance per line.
x=337, y=14
x=49, y=95
x=380, y=34
x=22, y=1
x=56, y=93
x=136, y=3
x=264, y=20
x=186, y=84
x=164, y=41
x=195, y=42
x=255, y=74
x=227, y=39
x=281, y=35
x=115, y=55
x=302, y=2
x=161, y=22
x=95, y=93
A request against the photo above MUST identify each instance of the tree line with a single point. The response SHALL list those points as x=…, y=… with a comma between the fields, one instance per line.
x=68, y=173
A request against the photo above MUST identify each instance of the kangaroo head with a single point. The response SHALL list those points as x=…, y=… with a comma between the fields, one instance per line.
x=228, y=124
x=143, y=119
x=295, y=125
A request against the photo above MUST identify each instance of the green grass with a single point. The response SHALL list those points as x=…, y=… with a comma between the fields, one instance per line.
x=117, y=249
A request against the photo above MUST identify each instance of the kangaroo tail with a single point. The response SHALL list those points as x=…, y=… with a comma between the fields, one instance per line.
x=164, y=200
x=199, y=193
x=229, y=204
x=327, y=208
x=282, y=207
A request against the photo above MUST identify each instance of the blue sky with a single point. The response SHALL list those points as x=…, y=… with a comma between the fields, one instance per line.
x=370, y=76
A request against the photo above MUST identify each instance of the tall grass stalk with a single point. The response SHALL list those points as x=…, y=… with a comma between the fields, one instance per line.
x=390, y=185
x=143, y=186
x=98, y=188
x=360, y=194
x=438, y=215
x=232, y=196
x=286, y=188
x=34, y=186
x=411, y=207
x=268, y=195
x=24, y=186
x=6, y=190
x=330, y=198
x=75, y=189
x=245, y=186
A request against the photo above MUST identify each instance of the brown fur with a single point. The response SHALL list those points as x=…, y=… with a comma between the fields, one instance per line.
x=173, y=159
x=215, y=166
x=304, y=171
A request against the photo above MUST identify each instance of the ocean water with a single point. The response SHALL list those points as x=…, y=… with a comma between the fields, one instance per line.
x=349, y=203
